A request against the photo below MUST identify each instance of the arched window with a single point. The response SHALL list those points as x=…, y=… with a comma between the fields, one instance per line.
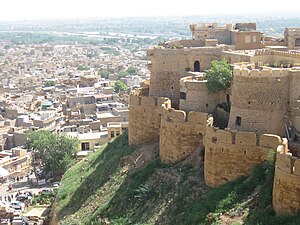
x=197, y=66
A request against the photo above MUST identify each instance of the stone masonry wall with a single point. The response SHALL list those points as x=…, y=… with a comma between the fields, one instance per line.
x=286, y=189
x=169, y=65
x=230, y=154
x=198, y=98
x=272, y=56
x=259, y=100
x=145, y=118
x=181, y=134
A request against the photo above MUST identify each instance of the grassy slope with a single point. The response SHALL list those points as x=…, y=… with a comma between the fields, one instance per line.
x=158, y=194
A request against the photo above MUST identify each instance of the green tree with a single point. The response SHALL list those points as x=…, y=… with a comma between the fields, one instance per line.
x=218, y=77
x=120, y=86
x=131, y=70
x=122, y=74
x=83, y=68
x=49, y=83
x=51, y=151
x=103, y=73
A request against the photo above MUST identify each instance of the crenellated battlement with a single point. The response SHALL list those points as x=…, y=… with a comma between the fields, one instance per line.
x=181, y=134
x=149, y=101
x=230, y=154
x=144, y=118
x=266, y=72
x=241, y=138
x=277, y=53
x=286, y=192
x=196, y=83
x=172, y=115
x=288, y=164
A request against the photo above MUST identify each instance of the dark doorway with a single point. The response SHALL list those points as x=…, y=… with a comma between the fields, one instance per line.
x=197, y=66
x=238, y=121
x=297, y=42
x=183, y=95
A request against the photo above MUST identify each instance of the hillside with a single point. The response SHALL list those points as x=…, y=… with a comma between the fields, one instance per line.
x=123, y=185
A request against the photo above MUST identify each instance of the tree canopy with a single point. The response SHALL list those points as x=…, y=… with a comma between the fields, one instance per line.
x=51, y=152
x=122, y=74
x=83, y=68
x=218, y=77
x=103, y=73
x=49, y=83
x=131, y=70
x=120, y=86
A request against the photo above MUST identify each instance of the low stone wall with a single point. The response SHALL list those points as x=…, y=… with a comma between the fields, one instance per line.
x=181, y=134
x=145, y=118
x=230, y=154
x=286, y=189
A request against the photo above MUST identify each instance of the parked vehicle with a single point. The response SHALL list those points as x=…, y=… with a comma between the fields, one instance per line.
x=20, y=220
x=28, y=193
x=45, y=190
x=56, y=184
x=17, y=205
x=23, y=198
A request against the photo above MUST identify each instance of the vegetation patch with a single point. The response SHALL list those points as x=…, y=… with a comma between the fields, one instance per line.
x=112, y=193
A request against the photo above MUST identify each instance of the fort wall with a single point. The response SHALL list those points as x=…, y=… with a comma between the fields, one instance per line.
x=295, y=97
x=286, y=191
x=236, y=57
x=145, y=118
x=194, y=95
x=274, y=56
x=181, y=134
x=259, y=100
x=169, y=65
x=230, y=154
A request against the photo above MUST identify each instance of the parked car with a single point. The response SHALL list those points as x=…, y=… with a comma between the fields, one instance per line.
x=28, y=193
x=17, y=205
x=45, y=190
x=23, y=198
x=56, y=184
x=20, y=220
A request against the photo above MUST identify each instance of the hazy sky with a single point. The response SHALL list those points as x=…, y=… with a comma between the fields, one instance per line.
x=51, y=9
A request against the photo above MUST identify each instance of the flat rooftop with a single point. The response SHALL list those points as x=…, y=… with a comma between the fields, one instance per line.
x=88, y=136
x=105, y=115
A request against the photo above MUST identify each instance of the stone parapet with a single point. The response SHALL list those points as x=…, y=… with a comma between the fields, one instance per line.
x=292, y=54
x=286, y=188
x=144, y=118
x=181, y=134
x=267, y=72
x=230, y=154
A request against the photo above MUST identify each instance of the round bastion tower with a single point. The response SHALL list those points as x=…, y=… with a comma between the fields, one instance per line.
x=259, y=100
x=170, y=64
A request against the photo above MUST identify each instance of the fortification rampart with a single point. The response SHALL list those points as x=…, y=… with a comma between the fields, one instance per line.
x=181, y=134
x=279, y=53
x=278, y=57
x=144, y=118
x=237, y=56
x=286, y=191
x=169, y=65
x=258, y=96
x=230, y=154
x=194, y=95
x=241, y=73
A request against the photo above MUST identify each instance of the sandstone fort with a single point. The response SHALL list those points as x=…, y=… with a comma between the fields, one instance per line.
x=176, y=108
